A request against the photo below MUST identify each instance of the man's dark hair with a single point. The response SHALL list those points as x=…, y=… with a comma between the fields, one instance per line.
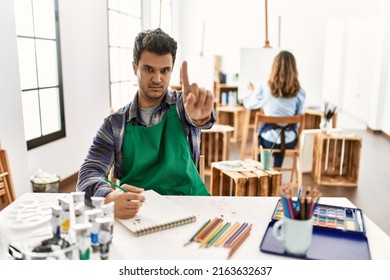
x=155, y=41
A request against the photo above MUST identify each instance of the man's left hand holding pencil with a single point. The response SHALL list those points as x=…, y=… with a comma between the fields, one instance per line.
x=128, y=200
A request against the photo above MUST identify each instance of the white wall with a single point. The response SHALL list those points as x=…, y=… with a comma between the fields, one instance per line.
x=11, y=119
x=84, y=46
x=235, y=24
x=381, y=89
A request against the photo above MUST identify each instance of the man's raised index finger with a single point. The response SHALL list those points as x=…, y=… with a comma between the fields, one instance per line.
x=184, y=76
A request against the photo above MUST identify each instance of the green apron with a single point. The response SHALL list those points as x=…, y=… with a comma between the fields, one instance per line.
x=159, y=158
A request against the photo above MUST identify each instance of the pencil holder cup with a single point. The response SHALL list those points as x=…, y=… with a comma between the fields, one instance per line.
x=296, y=235
x=326, y=126
x=266, y=158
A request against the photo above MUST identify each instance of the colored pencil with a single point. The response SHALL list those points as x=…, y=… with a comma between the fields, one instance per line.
x=217, y=235
x=285, y=207
x=230, y=240
x=208, y=229
x=193, y=237
x=234, y=249
x=290, y=208
x=239, y=237
x=115, y=185
x=227, y=234
x=210, y=235
x=298, y=199
x=302, y=209
x=203, y=231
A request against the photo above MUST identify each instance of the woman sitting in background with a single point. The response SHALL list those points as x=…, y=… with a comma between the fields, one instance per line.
x=282, y=97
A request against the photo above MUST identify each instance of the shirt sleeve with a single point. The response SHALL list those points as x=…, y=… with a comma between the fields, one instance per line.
x=97, y=164
x=301, y=101
x=255, y=99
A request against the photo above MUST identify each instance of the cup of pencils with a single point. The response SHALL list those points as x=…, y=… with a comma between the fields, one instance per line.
x=295, y=229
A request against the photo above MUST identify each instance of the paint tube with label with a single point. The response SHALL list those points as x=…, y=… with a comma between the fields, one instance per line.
x=97, y=201
x=83, y=240
x=79, y=206
x=65, y=216
x=108, y=212
x=56, y=220
x=104, y=237
x=92, y=215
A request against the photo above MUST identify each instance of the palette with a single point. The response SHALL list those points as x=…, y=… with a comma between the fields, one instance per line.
x=338, y=234
x=333, y=217
x=27, y=214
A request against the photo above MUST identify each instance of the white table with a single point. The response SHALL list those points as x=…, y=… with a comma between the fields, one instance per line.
x=168, y=244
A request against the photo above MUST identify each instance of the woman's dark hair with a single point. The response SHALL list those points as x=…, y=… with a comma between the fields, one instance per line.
x=155, y=41
x=283, y=81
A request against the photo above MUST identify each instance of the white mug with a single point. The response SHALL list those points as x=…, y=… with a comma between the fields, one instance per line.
x=295, y=234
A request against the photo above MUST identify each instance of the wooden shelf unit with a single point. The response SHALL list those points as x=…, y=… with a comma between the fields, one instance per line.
x=313, y=119
x=257, y=182
x=233, y=116
x=336, y=159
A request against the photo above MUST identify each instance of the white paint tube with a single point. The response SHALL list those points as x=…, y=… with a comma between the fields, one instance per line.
x=109, y=212
x=92, y=215
x=79, y=206
x=104, y=237
x=83, y=240
x=97, y=201
x=65, y=215
x=56, y=220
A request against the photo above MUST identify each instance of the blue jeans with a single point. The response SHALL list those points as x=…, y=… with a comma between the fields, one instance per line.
x=278, y=157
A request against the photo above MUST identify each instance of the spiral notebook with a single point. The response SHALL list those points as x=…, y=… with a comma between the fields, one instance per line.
x=158, y=213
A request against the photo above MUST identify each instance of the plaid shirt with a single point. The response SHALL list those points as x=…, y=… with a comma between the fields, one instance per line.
x=106, y=149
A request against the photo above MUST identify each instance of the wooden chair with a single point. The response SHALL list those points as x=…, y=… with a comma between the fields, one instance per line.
x=295, y=153
x=248, y=127
x=7, y=193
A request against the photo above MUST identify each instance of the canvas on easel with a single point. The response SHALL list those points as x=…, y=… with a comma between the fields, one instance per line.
x=255, y=67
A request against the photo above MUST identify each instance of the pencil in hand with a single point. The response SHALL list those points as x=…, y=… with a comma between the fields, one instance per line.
x=115, y=185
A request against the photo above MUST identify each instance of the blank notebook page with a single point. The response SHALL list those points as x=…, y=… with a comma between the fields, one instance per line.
x=156, y=214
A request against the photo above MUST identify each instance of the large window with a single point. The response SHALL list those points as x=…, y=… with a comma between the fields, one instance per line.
x=124, y=22
x=37, y=30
